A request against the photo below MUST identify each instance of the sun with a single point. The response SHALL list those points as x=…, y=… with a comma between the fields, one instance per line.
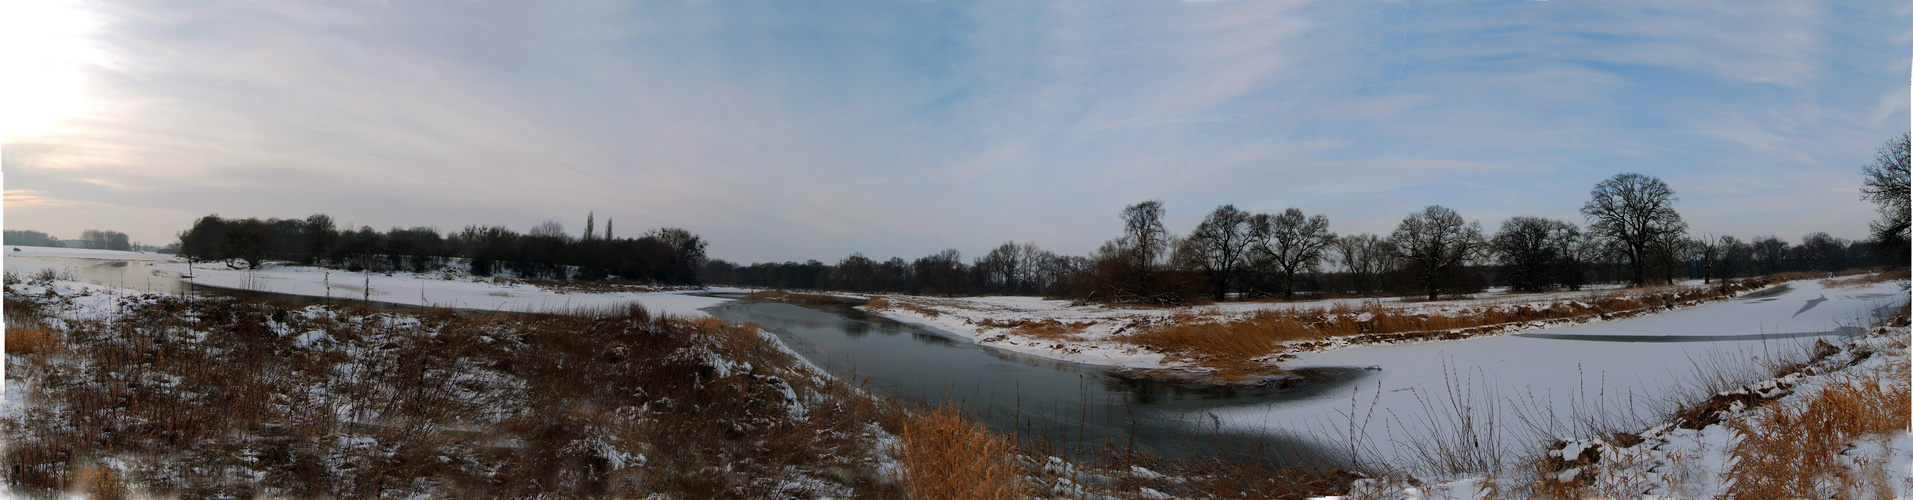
x=44, y=45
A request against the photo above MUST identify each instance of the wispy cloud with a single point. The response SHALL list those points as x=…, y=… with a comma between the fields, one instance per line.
x=899, y=128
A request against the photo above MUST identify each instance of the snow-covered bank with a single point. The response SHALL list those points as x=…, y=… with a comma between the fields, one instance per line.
x=1780, y=437
x=427, y=289
x=1121, y=336
x=1510, y=393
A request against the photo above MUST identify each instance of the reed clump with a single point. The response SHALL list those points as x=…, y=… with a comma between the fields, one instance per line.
x=29, y=341
x=948, y=458
x=1797, y=452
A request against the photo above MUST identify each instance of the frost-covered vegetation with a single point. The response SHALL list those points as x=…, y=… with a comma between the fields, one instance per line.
x=116, y=393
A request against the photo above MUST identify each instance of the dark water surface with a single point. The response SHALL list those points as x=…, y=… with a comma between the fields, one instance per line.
x=1074, y=406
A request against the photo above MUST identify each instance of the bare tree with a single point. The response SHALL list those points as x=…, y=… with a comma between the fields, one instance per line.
x=589, y=223
x=1886, y=186
x=248, y=240
x=1003, y=267
x=1434, y=244
x=1144, y=236
x=549, y=229
x=1771, y=254
x=1705, y=252
x=1217, y=247
x=1636, y=211
x=1290, y=244
x=1735, y=257
x=1531, y=248
x=1366, y=257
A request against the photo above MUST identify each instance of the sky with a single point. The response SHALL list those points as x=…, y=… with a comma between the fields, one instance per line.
x=785, y=130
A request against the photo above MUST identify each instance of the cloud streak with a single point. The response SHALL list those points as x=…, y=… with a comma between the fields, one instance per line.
x=787, y=132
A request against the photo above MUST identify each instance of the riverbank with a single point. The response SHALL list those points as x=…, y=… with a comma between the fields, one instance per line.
x=1249, y=343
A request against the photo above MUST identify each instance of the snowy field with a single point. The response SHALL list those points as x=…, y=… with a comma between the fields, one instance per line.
x=430, y=289
x=1515, y=391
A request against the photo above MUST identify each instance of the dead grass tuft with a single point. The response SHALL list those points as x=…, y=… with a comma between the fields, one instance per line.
x=881, y=303
x=801, y=298
x=946, y=457
x=32, y=340
x=1795, y=452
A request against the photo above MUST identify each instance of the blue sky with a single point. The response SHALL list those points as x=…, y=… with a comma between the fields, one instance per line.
x=799, y=130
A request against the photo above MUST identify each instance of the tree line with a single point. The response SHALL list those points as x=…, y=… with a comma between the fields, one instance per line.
x=96, y=239
x=665, y=256
x=1633, y=234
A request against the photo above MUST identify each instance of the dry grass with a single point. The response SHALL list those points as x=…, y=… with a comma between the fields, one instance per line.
x=1796, y=452
x=1045, y=329
x=31, y=340
x=880, y=303
x=600, y=286
x=801, y=298
x=1238, y=344
x=1866, y=279
x=219, y=398
x=947, y=457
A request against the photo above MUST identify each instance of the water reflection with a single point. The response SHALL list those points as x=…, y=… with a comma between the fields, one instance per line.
x=1075, y=406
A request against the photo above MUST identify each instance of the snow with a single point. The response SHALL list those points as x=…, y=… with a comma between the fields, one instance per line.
x=420, y=289
x=1526, y=388
x=987, y=320
x=964, y=317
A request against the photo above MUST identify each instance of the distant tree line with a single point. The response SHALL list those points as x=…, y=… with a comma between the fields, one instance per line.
x=92, y=238
x=1633, y=235
x=668, y=255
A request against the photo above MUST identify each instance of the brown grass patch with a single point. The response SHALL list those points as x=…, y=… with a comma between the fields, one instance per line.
x=32, y=340
x=1045, y=329
x=800, y=298
x=1795, y=453
x=880, y=303
x=1866, y=279
x=1235, y=344
x=946, y=457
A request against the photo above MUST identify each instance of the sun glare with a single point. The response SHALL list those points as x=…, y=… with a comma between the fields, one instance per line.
x=43, y=47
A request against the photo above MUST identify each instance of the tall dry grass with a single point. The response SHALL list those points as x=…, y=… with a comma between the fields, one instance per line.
x=798, y=297
x=1796, y=452
x=946, y=457
x=31, y=340
x=1236, y=343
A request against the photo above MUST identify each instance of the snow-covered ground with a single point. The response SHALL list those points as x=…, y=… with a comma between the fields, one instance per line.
x=429, y=289
x=1092, y=328
x=1686, y=461
x=1513, y=392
